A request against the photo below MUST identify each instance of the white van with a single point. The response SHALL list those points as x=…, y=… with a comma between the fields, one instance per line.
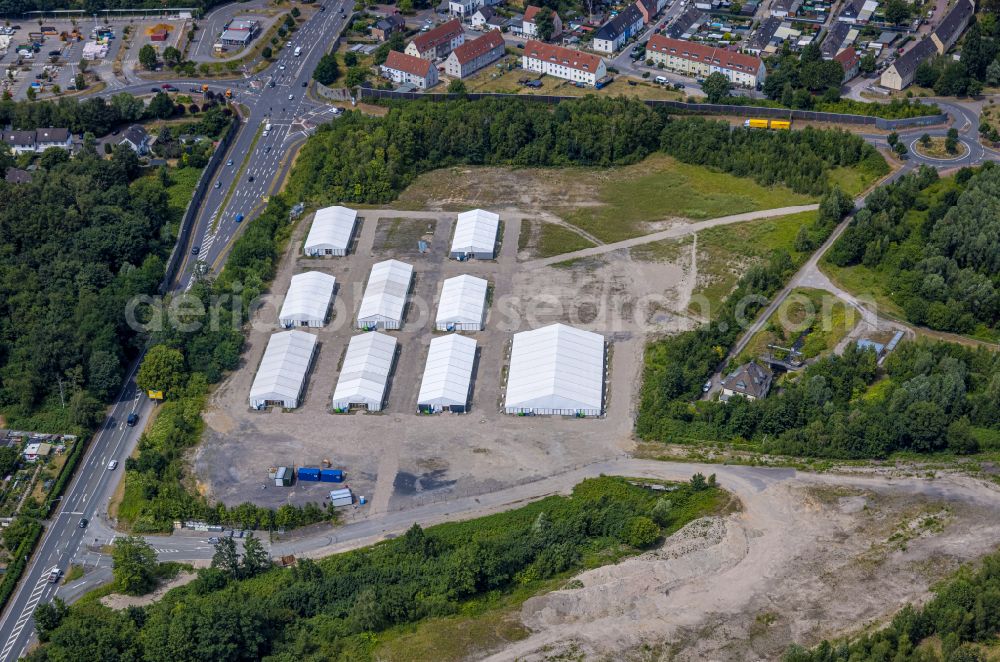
x=662, y=80
x=298, y=51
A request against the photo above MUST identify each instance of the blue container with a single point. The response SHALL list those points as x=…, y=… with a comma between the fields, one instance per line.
x=308, y=473
x=331, y=476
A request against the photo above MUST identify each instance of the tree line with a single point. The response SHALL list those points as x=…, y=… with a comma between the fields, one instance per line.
x=367, y=159
x=934, y=244
x=964, y=615
x=334, y=608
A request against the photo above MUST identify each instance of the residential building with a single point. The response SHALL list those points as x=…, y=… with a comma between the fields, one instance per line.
x=437, y=43
x=402, y=68
x=687, y=23
x=486, y=18
x=463, y=8
x=702, y=60
x=473, y=55
x=17, y=176
x=762, y=38
x=751, y=381
x=836, y=40
x=137, y=139
x=900, y=74
x=611, y=36
x=34, y=451
x=953, y=25
x=562, y=62
x=529, y=26
x=384, y=27
x=850, y=61
x=20, y=142
x=785, y=8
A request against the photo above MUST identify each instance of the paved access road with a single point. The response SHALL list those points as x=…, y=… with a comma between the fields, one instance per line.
x=268, y=162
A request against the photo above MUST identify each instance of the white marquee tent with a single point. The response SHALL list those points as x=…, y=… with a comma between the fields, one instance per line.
x=463, y=304
x=308, y=300
x=385, y=296
x=556, y=369
x=365, y=373
x=447, y=375
x=475, y=235
x=331, y=231
x=282, y=372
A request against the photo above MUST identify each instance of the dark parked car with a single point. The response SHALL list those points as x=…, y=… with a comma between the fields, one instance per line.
x=133, y=418
x=195, y=250
x=155, y=90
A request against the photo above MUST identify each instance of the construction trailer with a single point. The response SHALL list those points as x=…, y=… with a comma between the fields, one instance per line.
x=342, y=497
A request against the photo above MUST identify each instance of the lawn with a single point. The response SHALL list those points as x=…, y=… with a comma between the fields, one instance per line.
x=936, y=149
x=540, y=239
x=661, y=188
x=182, y=183
x=828, y=319
x=864, y=283
x=852, y=181
x=725, y=252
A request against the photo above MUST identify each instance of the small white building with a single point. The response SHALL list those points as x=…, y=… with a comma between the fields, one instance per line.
x=383, y=304
x=463, y=304
x=566, y=63
x=364, y=376
x=475, y=235
x=447, y=375
x=558, y=370
x=331, y=232
x=282, y=372
x=308, y=300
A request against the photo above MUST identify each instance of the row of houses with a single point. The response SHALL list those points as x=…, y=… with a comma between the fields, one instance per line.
x=900, y=74
x=701, y=60
x=629, y=22
x=462, y=61
x=37, y=141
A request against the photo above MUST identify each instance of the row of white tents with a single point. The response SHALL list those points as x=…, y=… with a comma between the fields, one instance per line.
x=554, y=370
x=332, y=233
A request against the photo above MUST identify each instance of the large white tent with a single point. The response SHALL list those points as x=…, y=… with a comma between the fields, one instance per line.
x=331, y=231
x=385, y=295
x=282, y=372
x=475, y=235
x=447, y=375
x=463, y=304
x=308, y=300
x=556, y=369
x=365, y=373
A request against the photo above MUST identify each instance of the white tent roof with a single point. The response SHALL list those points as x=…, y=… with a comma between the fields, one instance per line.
x=476, y=232
x=332, y=226
x=448, y=372
x=556, y=367
x=462, y=300
x=365, y=372
x=308, y=296
x=385, y=294
x=284, y=366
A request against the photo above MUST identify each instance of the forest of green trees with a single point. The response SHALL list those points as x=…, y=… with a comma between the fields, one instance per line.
x=934, y=246
x=335, y=609
x=366, y=159
x=964, y=616
x=76, y=244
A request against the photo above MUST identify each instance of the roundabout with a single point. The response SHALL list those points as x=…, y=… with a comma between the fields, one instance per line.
x=935, y=148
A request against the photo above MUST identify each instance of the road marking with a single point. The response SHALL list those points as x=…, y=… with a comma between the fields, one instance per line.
x=26, y=613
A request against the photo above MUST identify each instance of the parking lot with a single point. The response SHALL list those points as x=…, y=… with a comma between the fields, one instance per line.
x=397, y=458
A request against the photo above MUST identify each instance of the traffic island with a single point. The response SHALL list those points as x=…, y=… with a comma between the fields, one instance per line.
x=937, y=148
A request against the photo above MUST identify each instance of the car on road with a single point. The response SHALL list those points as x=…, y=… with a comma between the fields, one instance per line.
x=250, y=178
x=84, y=522
x=133, y=418
x=229, y=162
x=270, y=83
x=155, y=90
x=267, y=149
x=281, y=66
x=54, y=575
x=112, y=465
x=291, y=97
x=213, y=540
x=706, y=387
x=239, y=218
x=218, y=184
x=195, y=250
x=305, y=83
x=322, y=7
x=338, y=111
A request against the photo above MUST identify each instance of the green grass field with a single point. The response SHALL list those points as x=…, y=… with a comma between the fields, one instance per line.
x=725, y=252
x=183, y=181
x=852, y=181
x=541, y=239
x=661, y=188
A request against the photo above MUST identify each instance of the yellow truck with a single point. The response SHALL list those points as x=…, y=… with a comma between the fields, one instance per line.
x=777, y=125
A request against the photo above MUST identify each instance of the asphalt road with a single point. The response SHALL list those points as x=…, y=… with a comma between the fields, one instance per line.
x=268, y=162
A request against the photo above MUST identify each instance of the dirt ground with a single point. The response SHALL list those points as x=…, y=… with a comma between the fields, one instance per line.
x=808, y=558
x=395, y=458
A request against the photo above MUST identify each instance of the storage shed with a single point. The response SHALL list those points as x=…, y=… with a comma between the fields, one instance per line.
x=463, y=304
x=282, y=372
x=447, y=375
x=331, y=232
x=475, y=235
x=308, y=300
x=385, y=296
x=365, y=373
x=556, y=369
x=341, y=497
